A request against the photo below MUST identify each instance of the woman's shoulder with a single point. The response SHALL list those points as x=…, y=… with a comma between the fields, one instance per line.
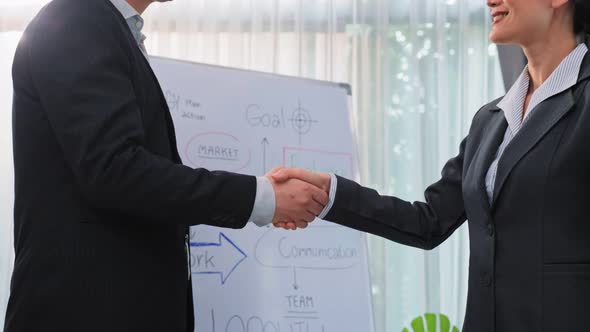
x=486, y=111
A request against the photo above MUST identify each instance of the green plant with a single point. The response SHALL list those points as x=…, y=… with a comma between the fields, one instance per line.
x=431, y=323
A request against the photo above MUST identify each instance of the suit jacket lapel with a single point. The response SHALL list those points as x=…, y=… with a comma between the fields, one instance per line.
x=169, y=121
x=129, y=36
x=585, y=70
x=546, y=115
x=485, y=154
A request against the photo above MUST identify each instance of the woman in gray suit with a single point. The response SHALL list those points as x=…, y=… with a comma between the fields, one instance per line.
x=522, y=179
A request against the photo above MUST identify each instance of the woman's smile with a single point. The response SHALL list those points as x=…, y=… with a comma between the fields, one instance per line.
x=498, y=16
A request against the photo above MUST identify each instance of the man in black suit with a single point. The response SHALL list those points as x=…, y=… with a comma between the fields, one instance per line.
x=102, y=202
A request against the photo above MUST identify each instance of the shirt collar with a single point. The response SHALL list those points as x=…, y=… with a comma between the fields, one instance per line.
x=125, y=8
x=563, y=77
x=513, y=103
x=134, y=20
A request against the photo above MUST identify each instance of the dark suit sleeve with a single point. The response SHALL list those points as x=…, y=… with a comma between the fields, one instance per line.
x=82, y=75
x=420, y=224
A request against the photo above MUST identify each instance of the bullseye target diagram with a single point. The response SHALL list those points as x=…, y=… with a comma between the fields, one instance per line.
x=301, y=121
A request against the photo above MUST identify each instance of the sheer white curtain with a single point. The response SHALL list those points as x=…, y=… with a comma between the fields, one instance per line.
x=419, y=70
x=7, y=40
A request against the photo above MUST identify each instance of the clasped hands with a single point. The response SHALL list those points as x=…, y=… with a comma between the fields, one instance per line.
x=300, y=196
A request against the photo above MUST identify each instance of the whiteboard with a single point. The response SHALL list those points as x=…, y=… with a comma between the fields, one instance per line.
x=266, y=279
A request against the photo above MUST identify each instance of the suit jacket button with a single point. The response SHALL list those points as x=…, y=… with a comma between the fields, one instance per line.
x=486, y=280
x=491, y=230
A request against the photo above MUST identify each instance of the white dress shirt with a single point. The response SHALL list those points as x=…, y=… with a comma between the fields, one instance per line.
x=134, y=21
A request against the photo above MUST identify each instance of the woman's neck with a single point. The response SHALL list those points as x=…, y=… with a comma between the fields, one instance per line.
x=545, y=55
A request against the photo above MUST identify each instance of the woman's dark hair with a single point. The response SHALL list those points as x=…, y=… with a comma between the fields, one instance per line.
x=582, y=16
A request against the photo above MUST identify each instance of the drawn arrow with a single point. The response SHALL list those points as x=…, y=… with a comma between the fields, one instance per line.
x=295, y=285
x=264, y=146
x=220, y=258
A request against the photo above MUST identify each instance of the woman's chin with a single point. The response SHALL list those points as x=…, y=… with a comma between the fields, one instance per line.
x=498, y=38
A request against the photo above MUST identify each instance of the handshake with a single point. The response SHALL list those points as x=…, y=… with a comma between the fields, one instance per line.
x=300, y=196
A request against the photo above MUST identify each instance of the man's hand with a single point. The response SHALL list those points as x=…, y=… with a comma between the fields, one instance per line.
x=320, y=180
x=282, y=175
x=297, y=202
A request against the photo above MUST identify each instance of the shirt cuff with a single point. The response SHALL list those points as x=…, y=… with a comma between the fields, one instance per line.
x=264, y=203
x=332, y=196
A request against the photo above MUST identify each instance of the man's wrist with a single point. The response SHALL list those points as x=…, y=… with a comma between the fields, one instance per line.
x=331, y=196
x=264, y=203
